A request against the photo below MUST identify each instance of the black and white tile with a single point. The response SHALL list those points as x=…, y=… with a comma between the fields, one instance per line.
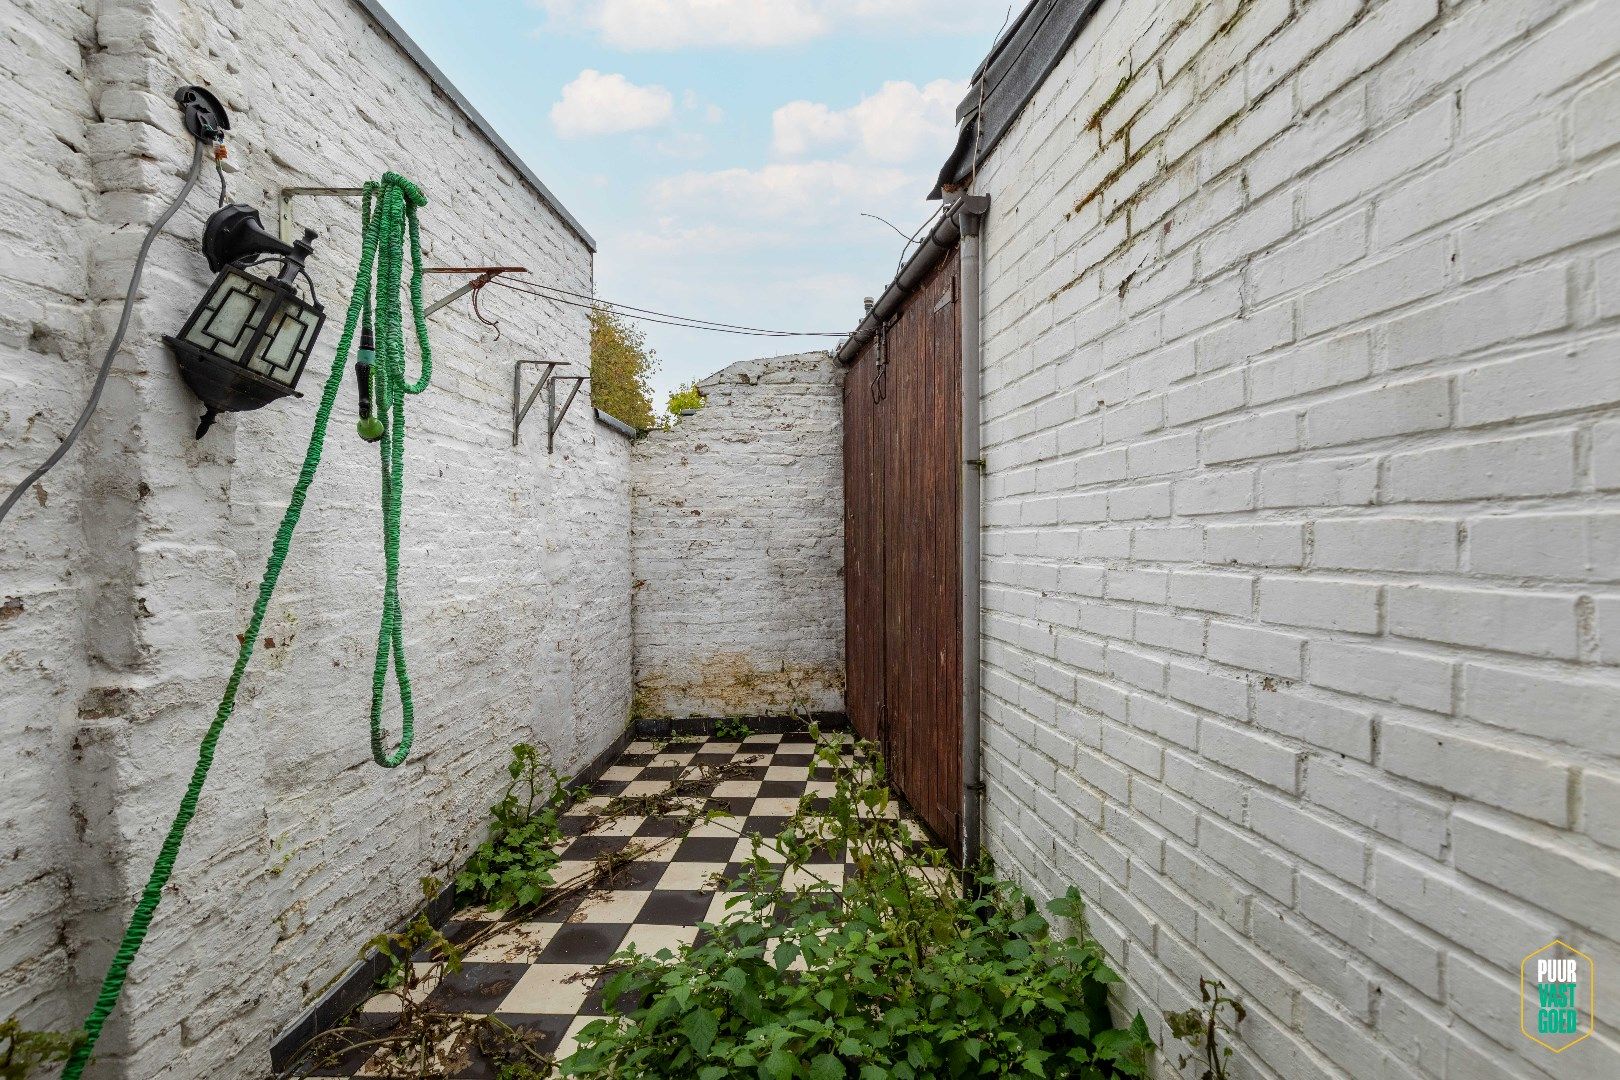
x=541, y=974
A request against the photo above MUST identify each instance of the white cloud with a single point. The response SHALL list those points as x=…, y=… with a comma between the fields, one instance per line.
x=677, y=24
x=787, y=191
x=598, y=104
x=899, y=123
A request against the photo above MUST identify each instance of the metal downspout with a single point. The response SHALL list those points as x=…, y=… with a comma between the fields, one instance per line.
x=970, y=212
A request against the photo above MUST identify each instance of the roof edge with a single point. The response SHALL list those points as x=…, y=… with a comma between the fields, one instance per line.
x=397, y=34
x=932, y=252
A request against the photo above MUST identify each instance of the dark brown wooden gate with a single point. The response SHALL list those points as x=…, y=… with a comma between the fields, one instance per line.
x=902, y=536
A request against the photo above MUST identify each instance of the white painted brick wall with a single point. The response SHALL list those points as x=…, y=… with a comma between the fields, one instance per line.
x=738, y=545
x=134, y=569
x=1302, y=559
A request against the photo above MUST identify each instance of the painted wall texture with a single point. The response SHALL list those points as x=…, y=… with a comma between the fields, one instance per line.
x=1302, y=558
x=126, y=576
x=738, y=519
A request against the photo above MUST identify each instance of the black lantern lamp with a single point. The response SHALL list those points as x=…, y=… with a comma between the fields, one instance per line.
x=246, y=343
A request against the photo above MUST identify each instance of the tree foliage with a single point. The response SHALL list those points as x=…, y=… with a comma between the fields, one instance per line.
x=621, y=369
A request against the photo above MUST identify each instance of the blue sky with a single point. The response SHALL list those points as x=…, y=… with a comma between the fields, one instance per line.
x=721, y=151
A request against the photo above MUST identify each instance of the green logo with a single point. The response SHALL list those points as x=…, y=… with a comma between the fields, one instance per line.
x=1557, y=992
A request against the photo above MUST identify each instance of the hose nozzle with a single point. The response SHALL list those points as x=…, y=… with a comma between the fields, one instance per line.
x=370, y=425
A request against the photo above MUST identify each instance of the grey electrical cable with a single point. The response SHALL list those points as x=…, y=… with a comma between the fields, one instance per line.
x=117, y=338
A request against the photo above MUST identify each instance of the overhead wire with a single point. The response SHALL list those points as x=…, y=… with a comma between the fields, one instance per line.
x=662, y=318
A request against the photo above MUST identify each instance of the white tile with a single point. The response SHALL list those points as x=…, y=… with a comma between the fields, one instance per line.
x=774, y=808
x=648, y=940
x=646, y=787
x=617, y=826
x=728, y=789
x=721, y=906
x=570, y=1039
x=690, y=875
x=767, y=851
x=427, y=977
x=621, y=772
x=787, y=772
x=725, y=826
x=514, y=943
x=618, y=906
x=548, y=988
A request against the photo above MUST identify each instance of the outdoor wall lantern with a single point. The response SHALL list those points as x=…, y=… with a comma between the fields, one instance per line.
x=246, y=343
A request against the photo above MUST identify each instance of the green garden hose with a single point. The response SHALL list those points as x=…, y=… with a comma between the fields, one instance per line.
x=396, y=201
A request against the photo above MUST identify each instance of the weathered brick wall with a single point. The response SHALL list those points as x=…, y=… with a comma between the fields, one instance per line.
x=1302, y=562
x=738, y=547
x=134, y=577
x=45, y=326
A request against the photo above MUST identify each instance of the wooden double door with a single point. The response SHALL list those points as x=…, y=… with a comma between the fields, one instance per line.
x=902, y=541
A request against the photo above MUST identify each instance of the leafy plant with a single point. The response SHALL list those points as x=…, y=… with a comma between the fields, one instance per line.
x=683, y=398
x=732, y=729
x=400, y=948
x=896, y=974
x=513, y=866
x=1200, y=1028
x=22, y=1051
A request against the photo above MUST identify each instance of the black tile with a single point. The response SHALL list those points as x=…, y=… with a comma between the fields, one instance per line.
x=327, y=1056
x=746, y=772
x=797, y=738
x=540, y=1033
x=590, y=847
x=609, y=787
x=632, y=760
x=660, y=772
x=559, y=909
x=712, y=757
x=596, y=1003
x=663, y=826
x=476, y=988
x=706, y=849
x=667, y=907
x=781, y=789
x=575, y=824
x=735, y=805
x=639, y=875
x=828, y=854
x=584, y=943
x=768, y=827
x=795, y=760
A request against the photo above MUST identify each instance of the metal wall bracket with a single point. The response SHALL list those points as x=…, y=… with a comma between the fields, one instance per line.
x=556, y=416
x=548, y=383
x=287, y=227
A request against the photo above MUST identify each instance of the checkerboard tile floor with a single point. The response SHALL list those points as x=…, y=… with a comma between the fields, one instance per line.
x=542, y=976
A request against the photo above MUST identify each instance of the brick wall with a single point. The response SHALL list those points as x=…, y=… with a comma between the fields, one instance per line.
x=128, y=578
x=1302, y=552
x=738, y=547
